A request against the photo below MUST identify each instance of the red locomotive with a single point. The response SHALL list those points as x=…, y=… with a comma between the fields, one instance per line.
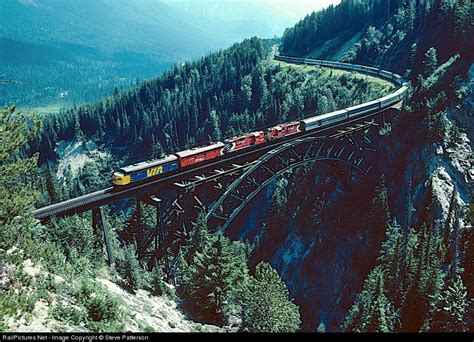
x=244, y=141
x=283, y=130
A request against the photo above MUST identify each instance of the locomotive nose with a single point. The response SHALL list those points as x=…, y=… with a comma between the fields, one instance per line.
x=120, y=179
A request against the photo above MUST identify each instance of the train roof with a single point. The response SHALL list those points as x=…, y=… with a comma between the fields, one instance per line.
x=387, y=97
x=255, y=134
x=285, y=124
x=323, y=116
x=362, y=105
x=148, y=164
x=197, y=150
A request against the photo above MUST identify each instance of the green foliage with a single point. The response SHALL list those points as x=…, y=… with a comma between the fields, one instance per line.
x=266, y=306
x=213, y=278
x=214, y=274
x=45, y=285
x=67, y=313
x=430, y=61
x=450, y=308
x=67, y=247
x=379, y=213
x=398, y=293
x=428, y=31
x=17, y=194
x=156, y=281
x=103, y=311
x=280, y=197
x=437, y=74
x=438, y=126
x=372, y=310
x=131, y=271
x=74, y=235
x=16, y=298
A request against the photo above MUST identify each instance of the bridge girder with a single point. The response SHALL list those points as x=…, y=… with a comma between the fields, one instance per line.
x=242, y=185
x=276, y=163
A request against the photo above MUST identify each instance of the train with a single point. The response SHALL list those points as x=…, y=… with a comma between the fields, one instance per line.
x=172, y=163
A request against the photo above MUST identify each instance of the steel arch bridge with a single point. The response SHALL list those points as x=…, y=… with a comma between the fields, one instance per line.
x=223, y=188
x=276, y=163
x=223, y=194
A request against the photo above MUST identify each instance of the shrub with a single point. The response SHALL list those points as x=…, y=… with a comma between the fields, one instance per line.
x=68, y=313
x=102, y=310
x=130, y=270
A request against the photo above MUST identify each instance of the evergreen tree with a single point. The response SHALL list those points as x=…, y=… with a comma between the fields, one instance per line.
x=228, y=272
x=321, y=328
x=156, y=281
x=430, y=61
x=390, y=253
x=266, y=306
x=451, y=308
x=425, y=279
x=17, y=195
x=372, y=310
x=181, y=274
x=213, y=278
x=379, y=213
x=200, y=238
x=199, y=286
x=130, y=269
x=52, y=185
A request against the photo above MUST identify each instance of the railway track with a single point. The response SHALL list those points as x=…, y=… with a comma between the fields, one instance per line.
x=110, y=195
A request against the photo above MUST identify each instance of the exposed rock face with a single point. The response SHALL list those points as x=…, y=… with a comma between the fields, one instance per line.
x=321, y=243
x=141, y=311
x=74, y=154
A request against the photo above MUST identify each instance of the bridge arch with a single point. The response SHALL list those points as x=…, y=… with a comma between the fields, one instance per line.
x=273, y=165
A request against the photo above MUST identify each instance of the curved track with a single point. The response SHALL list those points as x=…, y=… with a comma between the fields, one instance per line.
x=110, y=195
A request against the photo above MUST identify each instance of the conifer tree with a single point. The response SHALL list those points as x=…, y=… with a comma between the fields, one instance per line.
x=430, y=61
x=130, y=269
x=199, y=285
x=379, y=213
x=451, y=308
x=372, y=310
x=390, y=253
x=156, y=281
x=266, y=304
x=17, y=194
x=182, y=269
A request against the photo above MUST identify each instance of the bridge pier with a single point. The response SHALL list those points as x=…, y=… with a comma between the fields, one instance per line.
x=98, y=224
x=155, y=237
x=138, y=229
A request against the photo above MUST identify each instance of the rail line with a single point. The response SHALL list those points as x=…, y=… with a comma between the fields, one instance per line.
x=110, y=195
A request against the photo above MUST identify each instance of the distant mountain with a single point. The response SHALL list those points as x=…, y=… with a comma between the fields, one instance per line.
x=148, y=27
x=241, y=19
x=66, y=52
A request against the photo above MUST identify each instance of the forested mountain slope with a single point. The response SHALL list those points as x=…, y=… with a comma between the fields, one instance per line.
x=227, y=93
x=395, y=34
x=67, y=52
x=415, y=209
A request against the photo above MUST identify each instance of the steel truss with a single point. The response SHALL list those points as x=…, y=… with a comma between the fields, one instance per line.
x=222, y=194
